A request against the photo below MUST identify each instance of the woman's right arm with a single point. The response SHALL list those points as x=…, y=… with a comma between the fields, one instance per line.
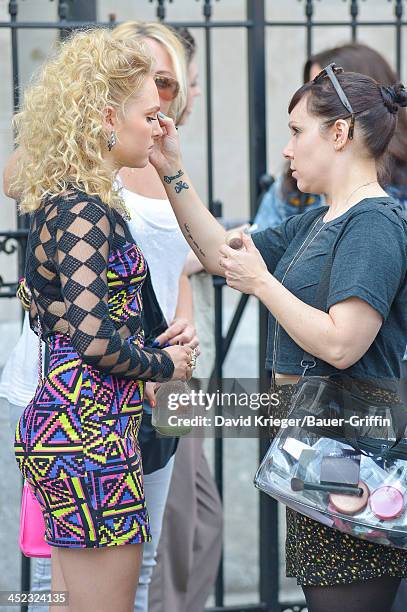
x=201, y=230
x=9, y=173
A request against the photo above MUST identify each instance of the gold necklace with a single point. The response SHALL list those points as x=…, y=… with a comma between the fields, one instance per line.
x=355, y=190
x=125, y=212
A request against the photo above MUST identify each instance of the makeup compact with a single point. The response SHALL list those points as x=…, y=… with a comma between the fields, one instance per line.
x=387, y=502
x=350, y=504
x=234, y=240
x=343, y=468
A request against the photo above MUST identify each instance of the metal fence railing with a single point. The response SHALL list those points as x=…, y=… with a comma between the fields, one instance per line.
x=76, y=13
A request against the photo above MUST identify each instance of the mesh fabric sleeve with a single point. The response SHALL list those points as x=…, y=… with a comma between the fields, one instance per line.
x=84, y=235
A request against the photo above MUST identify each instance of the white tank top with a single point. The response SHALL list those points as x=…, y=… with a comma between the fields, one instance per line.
x=154, y=227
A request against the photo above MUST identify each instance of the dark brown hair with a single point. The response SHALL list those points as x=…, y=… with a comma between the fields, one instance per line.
x=375, y=106
x=362, y=59
x=188, y=42
x=354, y=57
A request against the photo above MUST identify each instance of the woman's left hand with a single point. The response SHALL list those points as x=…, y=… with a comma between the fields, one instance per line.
x=243, y=268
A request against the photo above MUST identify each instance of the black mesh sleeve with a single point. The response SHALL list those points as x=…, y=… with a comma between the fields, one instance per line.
x=84, y=235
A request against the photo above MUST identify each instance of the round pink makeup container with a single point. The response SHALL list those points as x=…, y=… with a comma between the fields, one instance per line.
x=350, y=504
x=387, y=502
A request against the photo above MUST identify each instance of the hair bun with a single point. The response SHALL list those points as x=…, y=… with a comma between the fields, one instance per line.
x=400, y=94
x=394, y=97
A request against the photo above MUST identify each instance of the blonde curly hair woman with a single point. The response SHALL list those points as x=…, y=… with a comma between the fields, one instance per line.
x=61, y=130
x=92, y=110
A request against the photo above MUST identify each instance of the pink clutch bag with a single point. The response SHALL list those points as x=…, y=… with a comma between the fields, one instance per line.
x=32, y=526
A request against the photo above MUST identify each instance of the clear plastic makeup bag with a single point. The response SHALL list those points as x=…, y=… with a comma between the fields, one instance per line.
x=340, y=458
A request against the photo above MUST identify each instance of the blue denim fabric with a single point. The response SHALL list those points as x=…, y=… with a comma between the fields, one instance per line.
x=273, y=209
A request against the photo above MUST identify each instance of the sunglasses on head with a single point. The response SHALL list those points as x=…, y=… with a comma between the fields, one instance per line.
x=168, y=87
x=331, y=71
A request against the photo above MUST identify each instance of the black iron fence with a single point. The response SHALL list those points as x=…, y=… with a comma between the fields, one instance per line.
x=75, y=14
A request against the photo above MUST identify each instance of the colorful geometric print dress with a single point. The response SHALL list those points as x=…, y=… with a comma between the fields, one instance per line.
x=76, y=442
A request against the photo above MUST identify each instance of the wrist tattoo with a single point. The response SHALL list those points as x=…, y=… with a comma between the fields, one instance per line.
x=192, y=241
x=180, y=185
x=169, y=179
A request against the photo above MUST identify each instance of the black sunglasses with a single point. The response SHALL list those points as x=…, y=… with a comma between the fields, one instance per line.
x=331, y=71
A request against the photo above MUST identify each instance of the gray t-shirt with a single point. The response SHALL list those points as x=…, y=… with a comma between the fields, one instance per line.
x=370, y=262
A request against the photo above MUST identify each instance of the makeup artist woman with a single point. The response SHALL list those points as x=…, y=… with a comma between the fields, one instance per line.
x=341, y=125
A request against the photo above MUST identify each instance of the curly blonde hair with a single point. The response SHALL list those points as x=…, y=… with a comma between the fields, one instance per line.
x=60, y=128
x=168, y=38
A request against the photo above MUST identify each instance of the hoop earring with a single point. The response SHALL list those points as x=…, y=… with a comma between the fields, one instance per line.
x=112, y=140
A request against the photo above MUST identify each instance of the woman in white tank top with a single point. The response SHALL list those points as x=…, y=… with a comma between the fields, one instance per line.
x=154, y=226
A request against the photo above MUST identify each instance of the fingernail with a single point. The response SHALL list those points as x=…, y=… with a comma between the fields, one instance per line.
x=156, y=343
x=161, y=115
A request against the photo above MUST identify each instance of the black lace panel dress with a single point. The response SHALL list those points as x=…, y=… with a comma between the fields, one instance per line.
x=76, y=442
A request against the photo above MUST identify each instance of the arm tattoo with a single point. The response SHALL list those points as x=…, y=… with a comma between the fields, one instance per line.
x=192, y=241
x=169, y=179
x=180, y=185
